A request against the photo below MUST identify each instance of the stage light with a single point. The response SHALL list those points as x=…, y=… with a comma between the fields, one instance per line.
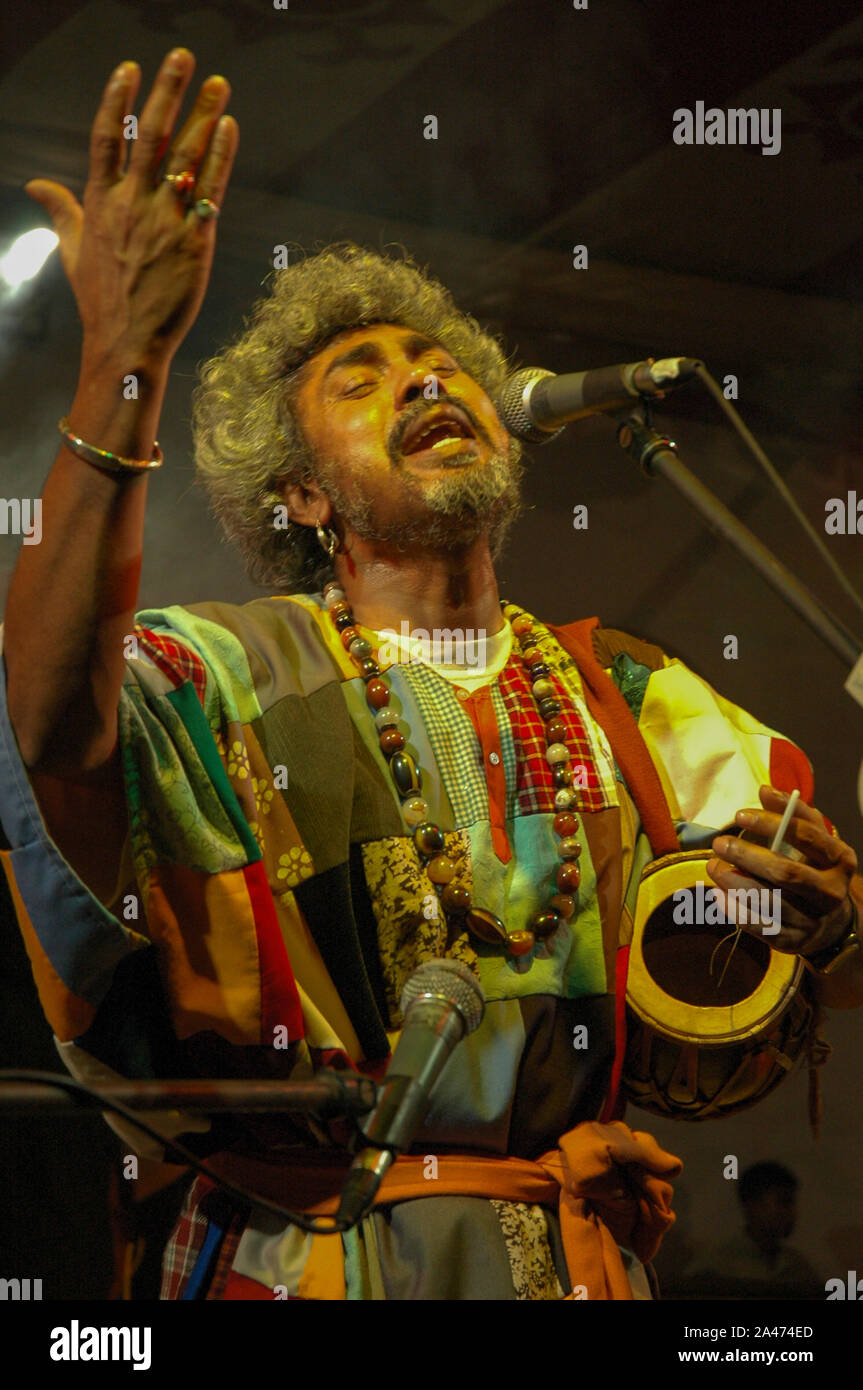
x=27, y=255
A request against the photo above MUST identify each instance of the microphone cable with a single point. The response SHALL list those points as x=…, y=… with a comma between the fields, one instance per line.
x=711, y=385
x=312, y=1224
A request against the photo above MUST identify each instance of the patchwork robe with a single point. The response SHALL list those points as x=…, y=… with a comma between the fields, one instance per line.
x=270, y=907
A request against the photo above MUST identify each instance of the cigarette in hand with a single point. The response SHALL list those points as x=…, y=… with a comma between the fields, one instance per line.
x=776, y=847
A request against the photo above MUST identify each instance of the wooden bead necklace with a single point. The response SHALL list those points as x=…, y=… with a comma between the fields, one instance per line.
x=428, y=838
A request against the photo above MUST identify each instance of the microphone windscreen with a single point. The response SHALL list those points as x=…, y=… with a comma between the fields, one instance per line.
x=511, y=408
x=449, y=980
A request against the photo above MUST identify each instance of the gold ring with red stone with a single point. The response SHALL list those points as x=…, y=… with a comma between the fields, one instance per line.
x=181, y=184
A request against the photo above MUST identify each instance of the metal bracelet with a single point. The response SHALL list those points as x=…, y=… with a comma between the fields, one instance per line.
x=102, y=458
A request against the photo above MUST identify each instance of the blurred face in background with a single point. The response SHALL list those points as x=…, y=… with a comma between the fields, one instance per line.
x=773, y=1215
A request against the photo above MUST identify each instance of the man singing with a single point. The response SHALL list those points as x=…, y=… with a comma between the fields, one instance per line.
x=237, y=830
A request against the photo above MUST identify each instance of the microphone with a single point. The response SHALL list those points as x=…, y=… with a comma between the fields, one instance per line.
x=441, y=1003
x=534, y=403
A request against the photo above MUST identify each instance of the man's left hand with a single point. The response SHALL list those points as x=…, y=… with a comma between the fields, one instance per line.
x=814, y=891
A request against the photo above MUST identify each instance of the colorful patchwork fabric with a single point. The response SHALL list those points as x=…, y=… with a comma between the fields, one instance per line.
x=274, y=906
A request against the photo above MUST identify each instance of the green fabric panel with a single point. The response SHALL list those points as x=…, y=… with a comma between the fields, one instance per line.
x=377, y=808
x=188, y=707
x=362, y=1268
x=507, y=748
x=473, y=1105
x=642, y=857
x=168, y=785
x=314, y=738
x=231, y=691
x=454, y=749
x=285, y=647
x=434, y=788
x=631, y=680
x=570, y=965
x=608, y=642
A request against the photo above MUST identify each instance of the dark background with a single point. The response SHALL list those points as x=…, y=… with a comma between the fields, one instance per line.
x=555, y=129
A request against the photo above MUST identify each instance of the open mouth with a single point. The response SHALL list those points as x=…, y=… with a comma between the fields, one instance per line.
x=441, y=432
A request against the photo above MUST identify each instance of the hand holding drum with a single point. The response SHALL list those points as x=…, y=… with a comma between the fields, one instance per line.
x=814, y=885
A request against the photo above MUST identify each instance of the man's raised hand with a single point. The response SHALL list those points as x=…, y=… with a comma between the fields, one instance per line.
x=137, y=256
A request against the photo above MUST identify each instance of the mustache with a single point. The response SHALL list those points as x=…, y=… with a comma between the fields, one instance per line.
x=410, y=416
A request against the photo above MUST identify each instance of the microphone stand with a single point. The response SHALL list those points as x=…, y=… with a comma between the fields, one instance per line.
x=657, y=454
x=328, y=1095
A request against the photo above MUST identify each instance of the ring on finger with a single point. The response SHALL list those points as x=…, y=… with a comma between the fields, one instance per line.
x=182, y=184
x=206, y=208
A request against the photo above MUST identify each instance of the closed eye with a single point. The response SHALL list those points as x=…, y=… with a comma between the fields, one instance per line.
x=358, y=384
x=353, y=387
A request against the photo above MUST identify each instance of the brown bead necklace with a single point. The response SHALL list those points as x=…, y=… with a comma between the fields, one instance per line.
x=428, y=838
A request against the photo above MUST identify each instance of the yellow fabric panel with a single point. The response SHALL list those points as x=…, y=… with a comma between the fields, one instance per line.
x=263, y=803
x=326, y=1020
x=319, y=1032
x=332, y=639
x=68, y=1015
x=334, y=644
x=212, y=976
x=324, y=1275
x=711, y=755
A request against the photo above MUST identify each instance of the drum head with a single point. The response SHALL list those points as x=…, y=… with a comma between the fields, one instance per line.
x=715, y=1017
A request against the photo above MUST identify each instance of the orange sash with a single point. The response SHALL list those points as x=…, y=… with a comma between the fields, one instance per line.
x=609, y=1184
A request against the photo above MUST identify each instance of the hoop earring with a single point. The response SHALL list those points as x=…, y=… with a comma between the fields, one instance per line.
x=327, y=539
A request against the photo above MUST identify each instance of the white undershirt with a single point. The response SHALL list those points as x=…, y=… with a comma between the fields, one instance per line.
x=484, y=657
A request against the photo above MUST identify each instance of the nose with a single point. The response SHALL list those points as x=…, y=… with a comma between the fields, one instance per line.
x=419, y=382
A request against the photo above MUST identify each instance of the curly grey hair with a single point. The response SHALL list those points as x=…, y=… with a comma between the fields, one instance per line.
x=247, y=438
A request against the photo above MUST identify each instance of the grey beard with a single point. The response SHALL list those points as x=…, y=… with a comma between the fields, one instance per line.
x=461, y=506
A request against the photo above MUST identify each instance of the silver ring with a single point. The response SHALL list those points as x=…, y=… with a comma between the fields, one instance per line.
x=205, y=208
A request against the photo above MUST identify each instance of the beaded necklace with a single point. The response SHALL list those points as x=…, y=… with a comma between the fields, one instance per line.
x=428, y=838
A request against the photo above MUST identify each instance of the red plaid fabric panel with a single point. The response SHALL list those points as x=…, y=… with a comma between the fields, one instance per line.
x=534, y=786
x=182, y=1249
x=178, y=662
x=186, y=1242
